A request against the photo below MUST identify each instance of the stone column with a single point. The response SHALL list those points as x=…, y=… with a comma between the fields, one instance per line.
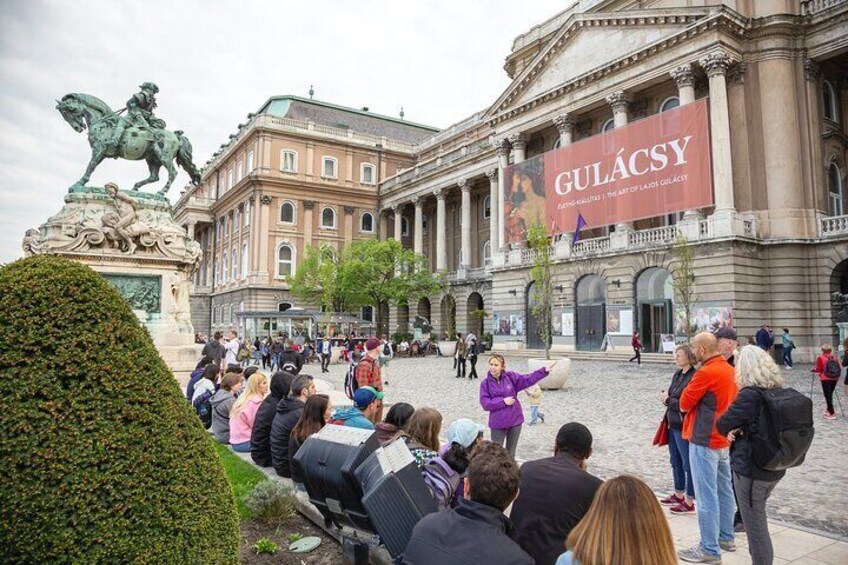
x=264, y=227
x=465, y=223
x=308, y=207
x=812, y=72
x=398, y=210
x=518, y=147
x=441, y=250
x=494, y=216
x=383, y=219
x=684, y=77
x=565, y=125
x=418, y=245
x=348, y=233
x=190, y=229
x=716, y=64
x=620, y=104
x=502, y=150
x=310, y=158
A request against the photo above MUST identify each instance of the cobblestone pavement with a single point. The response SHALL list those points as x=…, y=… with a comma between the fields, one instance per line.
x=619, y=403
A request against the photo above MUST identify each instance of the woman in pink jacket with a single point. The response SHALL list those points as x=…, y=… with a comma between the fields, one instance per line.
x=244, y=410
x=498, y=397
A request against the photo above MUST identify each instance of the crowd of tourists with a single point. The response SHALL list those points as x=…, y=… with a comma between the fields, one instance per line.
x=560, y=513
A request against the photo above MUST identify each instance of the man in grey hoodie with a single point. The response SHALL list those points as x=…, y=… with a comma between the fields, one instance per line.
x=214, y=349
x=222, y=402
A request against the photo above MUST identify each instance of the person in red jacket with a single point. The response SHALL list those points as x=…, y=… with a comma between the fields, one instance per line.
x=707, y=396
x=828, y=383
x=368, y=371
x=637, y=348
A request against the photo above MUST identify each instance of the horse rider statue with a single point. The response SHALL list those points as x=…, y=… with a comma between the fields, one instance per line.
x=139, y=112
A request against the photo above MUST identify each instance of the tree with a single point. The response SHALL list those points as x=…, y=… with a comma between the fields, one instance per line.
x=103, y=459
x=320, y=279
x=543, y=284
x=684, y=278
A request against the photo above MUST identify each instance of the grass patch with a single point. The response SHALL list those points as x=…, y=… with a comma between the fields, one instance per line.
x=243, y=477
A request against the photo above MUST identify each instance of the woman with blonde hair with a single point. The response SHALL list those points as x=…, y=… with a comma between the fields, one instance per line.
x=243, y=412
x=755, y=372
x=421, y=434
x=625, y=525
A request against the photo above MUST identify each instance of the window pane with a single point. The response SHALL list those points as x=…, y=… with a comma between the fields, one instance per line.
x=285, y=253
x=287, y=213
x=367, y=222
x=328, y=218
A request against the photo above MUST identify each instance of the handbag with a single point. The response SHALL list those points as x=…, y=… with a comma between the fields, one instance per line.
x=661, y=436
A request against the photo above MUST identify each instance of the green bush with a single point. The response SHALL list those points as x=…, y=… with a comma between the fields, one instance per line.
x=271, y=502
x=103, y=460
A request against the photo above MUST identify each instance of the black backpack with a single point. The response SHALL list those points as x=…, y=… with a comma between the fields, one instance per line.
x=785, y=430
x=387, y=350
x=350, y=384
x=832, y=370
x=203, y=407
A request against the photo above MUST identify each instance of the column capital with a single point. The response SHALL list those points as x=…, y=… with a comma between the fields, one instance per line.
x=716, y=63
x=564, y=122
x=349, y=210
x=500, y=145
x=308, y=204
x=517, y=141
x=736, y=74
x=812, y=70
x=439, y=193
x=418, y=202
x=396, y=208
x=492, y=174
x=464, y=185
x=265, y=199
x=684, y=75
x=619, y=101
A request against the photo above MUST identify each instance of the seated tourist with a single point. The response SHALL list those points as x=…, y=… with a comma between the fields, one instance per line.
x=394, y=421
x=367, y=402
x=476, y=531
x=316, y=413
x=196, y=375
x=421, y=434
x=288, y=412
x=555, y=494
x=443, y=474
x=624, y=510
x=222, y=402
x=207, y=383
x=260, y=435
x=243, y=413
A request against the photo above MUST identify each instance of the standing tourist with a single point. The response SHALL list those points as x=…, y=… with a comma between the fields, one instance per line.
x=326, y=351
x=764, y=338
x=498, y=397
x=555, y=494
x=755, y=373
x=636, y=343
x=461, y=356
x=683, y=499
x=214, y=349
x=222, y=403
x=704, y=400
x=368, y=371
x=788, y=346
x=534, y=399
x=472, y=358
x=291, y=361
x=728, y=341
x=231, y=349
x=260, y=436
x=386, y=355
x=626, y=511
x=829, y=370
x=243, y=413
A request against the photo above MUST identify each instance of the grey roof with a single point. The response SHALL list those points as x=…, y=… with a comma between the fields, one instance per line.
x=360, y=121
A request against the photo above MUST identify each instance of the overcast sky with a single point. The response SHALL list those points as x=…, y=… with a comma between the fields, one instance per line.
x=215, y=61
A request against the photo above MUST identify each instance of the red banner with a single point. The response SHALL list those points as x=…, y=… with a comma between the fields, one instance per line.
x=649, y=168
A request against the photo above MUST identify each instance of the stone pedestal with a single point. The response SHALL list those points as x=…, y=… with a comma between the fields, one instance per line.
x=132, y=240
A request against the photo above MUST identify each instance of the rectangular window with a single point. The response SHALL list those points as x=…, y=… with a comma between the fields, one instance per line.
x=239, y=175
x=229, y=179
x=247, y=213
x=249, y=161
x=236, y=220
x=367, y=176
x=328, y=168
x=288, y=162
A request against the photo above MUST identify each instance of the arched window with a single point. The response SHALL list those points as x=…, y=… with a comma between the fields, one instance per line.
x=328, y=218
x=287, y=213
x=669, y=103
x=235, y=220
x=557, y=143
x=235, y=264
x=367, y=313
x=608, y=125
x=329, y=167
x=487, y=207
x=288, y=161
x=366, y=223
x=834, y=187
x=225, y=270
x=283, y=306
x=366, y=173
x=404, y=226
x=244, y=261
x=830, y=102
x=285, y=260
x=486, y=251
x=230, y=317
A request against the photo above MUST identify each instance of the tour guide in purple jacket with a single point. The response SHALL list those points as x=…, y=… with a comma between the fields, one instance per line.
x=498, y=397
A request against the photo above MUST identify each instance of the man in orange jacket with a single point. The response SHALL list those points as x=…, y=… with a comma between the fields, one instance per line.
x=706, y=397
x=368, y=372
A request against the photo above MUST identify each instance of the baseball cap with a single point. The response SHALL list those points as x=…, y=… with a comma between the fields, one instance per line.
x=464, y=432
x=365, y=395
x=726, y=333
x=372, y=343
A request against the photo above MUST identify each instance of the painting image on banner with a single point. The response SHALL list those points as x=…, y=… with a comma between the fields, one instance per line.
x=524, y=197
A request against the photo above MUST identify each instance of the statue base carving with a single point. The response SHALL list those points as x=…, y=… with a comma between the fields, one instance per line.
x=132, y=240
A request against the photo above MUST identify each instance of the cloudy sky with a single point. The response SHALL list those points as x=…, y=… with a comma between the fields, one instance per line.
x=217, y=60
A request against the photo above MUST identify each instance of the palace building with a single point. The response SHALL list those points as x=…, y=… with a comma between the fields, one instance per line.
x=759, y=194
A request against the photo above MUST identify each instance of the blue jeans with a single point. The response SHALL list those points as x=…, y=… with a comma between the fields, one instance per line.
x=787, y=357
x=534, y=414
x=679, y=450
x=713, y=488
x=241, y=447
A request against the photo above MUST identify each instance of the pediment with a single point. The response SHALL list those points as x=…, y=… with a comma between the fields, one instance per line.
x=586, y=42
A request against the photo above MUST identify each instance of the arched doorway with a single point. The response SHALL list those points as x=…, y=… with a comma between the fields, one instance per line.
x=654, y=306
x=534, y=339
x=591, y=313
x=383, y=319
x=423, y=309
x=403, y=318
x=839, y=302
x=474, y=319
x=448, y=319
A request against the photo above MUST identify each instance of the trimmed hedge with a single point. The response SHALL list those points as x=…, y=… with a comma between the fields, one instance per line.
x=103, y=460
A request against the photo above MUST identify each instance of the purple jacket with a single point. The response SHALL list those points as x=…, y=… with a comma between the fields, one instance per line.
x=492, y=393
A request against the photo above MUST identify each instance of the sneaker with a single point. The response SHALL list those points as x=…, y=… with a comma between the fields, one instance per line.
x=739, y=528
x=727, y=544
x=696, y=555
x=542, y=417
x=683, y=508
x=829, y=416
x=672, y=500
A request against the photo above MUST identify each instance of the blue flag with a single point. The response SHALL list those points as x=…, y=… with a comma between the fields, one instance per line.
x=581, y=223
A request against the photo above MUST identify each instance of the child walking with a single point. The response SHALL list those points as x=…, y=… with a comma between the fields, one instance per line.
x=534, y=399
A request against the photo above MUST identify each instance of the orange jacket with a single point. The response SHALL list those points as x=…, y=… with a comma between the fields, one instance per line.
x=368, y=373
x=706, y=397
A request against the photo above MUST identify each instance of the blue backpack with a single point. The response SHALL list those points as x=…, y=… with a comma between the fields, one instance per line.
x=203, y=407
